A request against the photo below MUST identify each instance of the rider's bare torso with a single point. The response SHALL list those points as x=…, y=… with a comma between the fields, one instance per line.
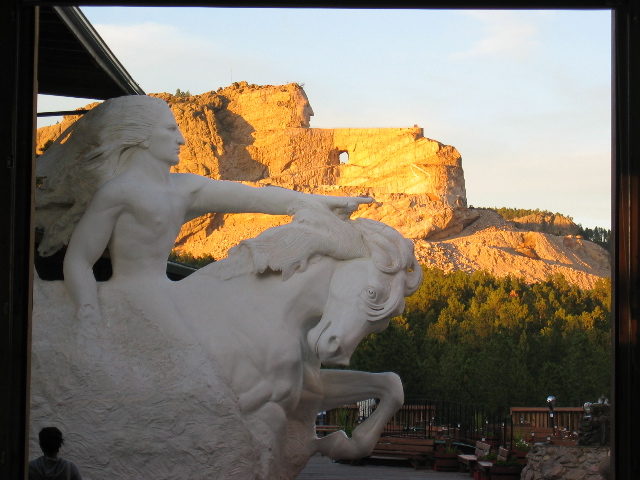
x=145, y=231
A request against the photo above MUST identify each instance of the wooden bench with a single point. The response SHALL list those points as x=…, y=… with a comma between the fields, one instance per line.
x=467, y=461
x=419, y=451
x=485, y=467
x=503, y=454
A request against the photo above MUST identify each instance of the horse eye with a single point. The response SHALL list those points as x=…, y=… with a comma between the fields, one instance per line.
x=371, y=293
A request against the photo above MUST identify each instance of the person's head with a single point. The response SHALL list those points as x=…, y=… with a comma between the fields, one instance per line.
x=51, y=440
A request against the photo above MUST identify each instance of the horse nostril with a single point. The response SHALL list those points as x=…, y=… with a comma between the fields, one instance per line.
x=333, y=344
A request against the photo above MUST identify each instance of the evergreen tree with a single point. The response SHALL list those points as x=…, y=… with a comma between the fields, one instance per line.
x=520, y=342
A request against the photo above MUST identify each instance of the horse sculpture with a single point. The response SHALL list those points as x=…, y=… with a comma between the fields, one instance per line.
x=240, y=400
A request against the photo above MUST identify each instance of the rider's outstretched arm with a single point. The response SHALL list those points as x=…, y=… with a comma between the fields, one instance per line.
x=231, y=197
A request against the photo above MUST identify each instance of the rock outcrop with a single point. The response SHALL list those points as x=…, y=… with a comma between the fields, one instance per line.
x=261, y=135
x=497, y=246
x=554, y=224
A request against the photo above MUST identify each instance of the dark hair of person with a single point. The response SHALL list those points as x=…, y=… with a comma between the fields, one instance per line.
x=50, y=440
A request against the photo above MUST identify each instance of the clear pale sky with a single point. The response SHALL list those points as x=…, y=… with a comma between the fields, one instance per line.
x=525, y=96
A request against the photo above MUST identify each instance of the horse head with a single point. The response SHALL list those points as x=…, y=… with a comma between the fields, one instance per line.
x=376, y=270
x=365, y=293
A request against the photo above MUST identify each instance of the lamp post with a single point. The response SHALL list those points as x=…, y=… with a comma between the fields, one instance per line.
x=551, y=401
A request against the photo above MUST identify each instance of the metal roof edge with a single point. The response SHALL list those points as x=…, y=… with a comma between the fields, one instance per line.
x=98, y=49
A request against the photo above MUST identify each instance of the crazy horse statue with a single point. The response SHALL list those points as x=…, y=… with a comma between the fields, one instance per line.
x=218, y=375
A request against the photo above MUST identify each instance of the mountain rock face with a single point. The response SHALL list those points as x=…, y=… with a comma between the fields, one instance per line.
x=261, y=135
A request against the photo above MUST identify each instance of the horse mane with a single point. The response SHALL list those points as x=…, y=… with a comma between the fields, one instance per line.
x=315, y=233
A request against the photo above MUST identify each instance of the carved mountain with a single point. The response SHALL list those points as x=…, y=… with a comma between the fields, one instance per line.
x=261, y=135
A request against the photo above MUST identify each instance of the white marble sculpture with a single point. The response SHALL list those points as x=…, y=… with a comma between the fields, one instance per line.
x=218, y=375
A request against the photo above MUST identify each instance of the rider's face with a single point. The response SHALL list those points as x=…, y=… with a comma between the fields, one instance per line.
x=165, y=139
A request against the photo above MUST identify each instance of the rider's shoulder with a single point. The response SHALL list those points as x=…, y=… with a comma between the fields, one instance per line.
x=190, y=181
x=115, y=190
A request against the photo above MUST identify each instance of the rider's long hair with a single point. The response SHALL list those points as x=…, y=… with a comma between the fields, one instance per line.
x=92, y=150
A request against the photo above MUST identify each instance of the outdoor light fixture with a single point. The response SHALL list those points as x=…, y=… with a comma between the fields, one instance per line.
x=551, y=400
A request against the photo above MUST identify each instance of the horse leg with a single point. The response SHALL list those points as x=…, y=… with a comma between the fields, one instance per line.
x=342, y=387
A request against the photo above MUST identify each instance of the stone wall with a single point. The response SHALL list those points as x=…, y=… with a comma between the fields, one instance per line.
x=551, y=462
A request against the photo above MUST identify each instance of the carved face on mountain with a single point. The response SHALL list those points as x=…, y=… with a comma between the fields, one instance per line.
x=304, y=110
x=306, y=114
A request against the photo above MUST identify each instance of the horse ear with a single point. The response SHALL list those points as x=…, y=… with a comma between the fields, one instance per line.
x=383, y=258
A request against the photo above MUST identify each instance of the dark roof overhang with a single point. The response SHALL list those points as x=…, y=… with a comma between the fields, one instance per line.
x=74, y=61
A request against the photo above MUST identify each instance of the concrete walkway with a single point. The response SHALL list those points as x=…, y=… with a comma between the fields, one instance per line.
x=322, y=468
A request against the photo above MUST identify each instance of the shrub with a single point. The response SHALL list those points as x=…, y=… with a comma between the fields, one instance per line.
x=521, y=445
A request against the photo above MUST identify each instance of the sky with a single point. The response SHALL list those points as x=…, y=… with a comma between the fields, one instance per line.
x=524, y=96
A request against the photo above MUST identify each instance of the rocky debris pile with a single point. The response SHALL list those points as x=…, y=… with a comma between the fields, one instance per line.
x=550, y=462
x=492, y=244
